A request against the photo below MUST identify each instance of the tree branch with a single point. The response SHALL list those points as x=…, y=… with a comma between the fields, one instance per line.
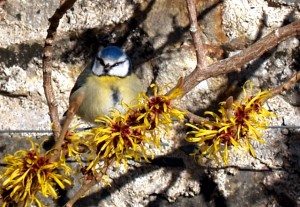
x=47, y=64
x=235, y=62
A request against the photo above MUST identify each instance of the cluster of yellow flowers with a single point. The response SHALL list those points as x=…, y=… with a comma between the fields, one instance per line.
x=131, y=135
x=236, y=125
x=118, y=137
x=29, y=172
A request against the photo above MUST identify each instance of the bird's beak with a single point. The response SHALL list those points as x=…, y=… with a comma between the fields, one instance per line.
x=106, y=68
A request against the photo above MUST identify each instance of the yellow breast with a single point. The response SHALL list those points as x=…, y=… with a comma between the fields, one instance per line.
x=101, y=94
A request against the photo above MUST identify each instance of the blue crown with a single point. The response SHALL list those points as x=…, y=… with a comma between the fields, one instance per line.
x=112, y=53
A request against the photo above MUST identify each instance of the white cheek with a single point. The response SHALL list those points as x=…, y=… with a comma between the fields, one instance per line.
x=97, y=68
x=120, y=70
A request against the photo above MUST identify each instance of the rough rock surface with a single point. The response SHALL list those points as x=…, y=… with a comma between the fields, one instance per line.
x=155, y=35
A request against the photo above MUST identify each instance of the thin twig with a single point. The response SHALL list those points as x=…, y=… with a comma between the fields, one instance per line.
x=89, y=184
x=73, y=107
x=195, y=33
x=193, y=118
x=287, y=85
x=47, y=64
x=235, y=62
x=201, y=66
x=83, y=189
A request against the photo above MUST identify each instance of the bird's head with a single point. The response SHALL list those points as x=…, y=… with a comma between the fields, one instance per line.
x=111, y=61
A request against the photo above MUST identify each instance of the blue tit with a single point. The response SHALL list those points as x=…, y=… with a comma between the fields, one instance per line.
x=106, y=82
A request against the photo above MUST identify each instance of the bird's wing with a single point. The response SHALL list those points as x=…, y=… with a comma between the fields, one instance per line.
x=82, y=78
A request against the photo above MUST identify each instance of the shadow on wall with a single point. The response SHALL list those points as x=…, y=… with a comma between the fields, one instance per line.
x=20, y=54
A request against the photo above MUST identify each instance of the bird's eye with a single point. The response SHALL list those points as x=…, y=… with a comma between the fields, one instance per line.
x=101, y=61
x=118, y=63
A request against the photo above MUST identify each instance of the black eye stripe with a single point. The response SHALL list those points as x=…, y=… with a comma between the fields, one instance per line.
x=100, y=61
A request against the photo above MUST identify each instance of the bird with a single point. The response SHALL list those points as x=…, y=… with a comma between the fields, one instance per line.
x=103, y=84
